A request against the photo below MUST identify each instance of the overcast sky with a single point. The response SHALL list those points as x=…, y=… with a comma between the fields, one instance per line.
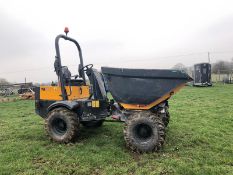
x=121, y=33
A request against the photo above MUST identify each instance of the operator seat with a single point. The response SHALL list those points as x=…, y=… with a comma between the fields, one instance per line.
x=68, y=80
x=66, y=74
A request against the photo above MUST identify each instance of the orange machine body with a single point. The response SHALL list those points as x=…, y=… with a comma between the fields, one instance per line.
x=54, y=92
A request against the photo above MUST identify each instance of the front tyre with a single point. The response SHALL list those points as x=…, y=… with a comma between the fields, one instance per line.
x=167, y=117
x=62, y=125
x=144, y=132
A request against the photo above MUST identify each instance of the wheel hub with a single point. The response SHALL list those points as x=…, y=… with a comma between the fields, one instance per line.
x=59, y=126
x=143, y=131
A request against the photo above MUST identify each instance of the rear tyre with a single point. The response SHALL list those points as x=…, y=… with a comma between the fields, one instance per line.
x=144, y=132
x=93, y=124
x=62, y=125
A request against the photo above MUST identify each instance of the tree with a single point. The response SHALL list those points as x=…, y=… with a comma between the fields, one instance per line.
x=180, y=66
x=222, y=67
x=3, y=81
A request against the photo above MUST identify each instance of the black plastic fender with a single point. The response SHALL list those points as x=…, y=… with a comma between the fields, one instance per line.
x=71, y=105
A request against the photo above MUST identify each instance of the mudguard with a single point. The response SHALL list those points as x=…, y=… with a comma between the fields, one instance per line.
x=71, y=105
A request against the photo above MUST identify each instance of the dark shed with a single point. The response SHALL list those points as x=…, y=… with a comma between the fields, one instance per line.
x=202, y=74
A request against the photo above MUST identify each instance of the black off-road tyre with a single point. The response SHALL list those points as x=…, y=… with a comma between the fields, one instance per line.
x=166, y=119
x=93, y=124
x=144, y=132
x=62, y=125
x=165, y=116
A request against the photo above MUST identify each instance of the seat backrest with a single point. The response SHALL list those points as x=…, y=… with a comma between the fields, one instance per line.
x=66, y=73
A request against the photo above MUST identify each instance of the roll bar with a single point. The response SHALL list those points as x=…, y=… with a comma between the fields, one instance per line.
x=58, y=65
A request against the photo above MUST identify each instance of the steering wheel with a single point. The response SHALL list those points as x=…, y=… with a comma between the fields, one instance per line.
x=75, y=76
x=85, y=68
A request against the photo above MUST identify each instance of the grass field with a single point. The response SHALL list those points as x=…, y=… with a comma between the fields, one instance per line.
x=199, y=141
